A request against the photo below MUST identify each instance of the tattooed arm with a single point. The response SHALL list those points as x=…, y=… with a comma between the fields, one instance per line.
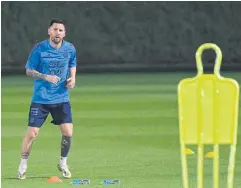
x=37, y=75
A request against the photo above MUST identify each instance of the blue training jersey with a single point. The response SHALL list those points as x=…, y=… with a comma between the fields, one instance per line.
x=51, y=61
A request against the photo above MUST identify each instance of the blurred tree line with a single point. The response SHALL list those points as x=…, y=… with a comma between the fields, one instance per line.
x=123, y=36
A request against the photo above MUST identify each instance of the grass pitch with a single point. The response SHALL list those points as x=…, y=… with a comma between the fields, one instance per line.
x=125, y=127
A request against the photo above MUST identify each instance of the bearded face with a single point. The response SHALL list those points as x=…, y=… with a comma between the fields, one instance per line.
x=56, y=33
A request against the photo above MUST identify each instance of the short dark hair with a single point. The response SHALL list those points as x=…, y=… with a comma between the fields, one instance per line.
x=57, y=21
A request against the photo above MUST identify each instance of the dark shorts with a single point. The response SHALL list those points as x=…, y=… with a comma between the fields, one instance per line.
x=61, y=113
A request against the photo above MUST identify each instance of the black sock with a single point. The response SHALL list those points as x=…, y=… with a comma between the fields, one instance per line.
x=65, y=145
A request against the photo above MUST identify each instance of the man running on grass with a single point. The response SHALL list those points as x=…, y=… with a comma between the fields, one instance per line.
x=52, y=64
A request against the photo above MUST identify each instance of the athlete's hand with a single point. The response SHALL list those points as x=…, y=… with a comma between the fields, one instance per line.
x=52, y=79
x=70, y=83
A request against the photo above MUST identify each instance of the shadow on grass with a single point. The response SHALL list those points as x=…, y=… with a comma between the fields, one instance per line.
x=29, y=177
x=35, y=177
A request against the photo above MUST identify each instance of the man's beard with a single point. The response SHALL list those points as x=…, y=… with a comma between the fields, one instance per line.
x=56, y=40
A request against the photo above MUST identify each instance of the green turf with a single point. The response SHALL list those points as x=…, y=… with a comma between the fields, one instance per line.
x=126, y=128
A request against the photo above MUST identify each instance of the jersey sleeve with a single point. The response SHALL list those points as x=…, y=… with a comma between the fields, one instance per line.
x=72, y=62
x=33, y=59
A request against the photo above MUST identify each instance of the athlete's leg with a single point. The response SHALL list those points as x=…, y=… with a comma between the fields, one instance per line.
x=62, y=116
x=27, y=142
x=37, y=116
x=67, y=132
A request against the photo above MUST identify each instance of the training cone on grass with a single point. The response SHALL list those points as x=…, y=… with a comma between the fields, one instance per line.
x=189, y=151
x=54, y=179
x=210, y=155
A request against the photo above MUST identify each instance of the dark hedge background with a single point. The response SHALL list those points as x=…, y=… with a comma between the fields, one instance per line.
x=126, y=36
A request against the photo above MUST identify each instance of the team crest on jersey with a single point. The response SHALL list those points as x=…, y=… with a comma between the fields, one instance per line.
x=65, y=54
